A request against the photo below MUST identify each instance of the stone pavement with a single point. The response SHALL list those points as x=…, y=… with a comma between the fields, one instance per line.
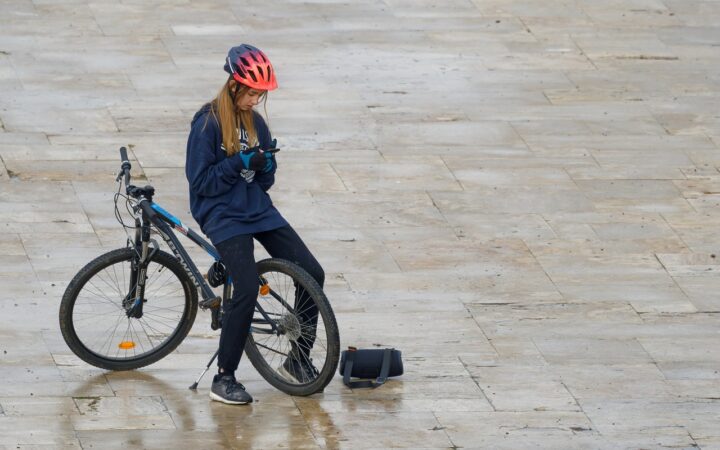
x=521, y=195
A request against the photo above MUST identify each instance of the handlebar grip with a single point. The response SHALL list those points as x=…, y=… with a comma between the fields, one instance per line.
x=123, y=154
x=124, y=158
x=125, y=166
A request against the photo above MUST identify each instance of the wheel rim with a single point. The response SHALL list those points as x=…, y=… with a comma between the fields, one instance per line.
x=303, y=336
x=100, y=319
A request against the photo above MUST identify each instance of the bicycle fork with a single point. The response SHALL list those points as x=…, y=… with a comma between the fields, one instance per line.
x=138, y=272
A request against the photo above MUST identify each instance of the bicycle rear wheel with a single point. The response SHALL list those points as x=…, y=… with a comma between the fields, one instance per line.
x=94, y=312
x=297, y=330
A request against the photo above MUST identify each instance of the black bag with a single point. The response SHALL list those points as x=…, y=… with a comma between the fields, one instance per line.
x=375, y=363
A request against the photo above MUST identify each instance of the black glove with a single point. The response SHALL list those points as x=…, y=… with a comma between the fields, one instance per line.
x=255, y=159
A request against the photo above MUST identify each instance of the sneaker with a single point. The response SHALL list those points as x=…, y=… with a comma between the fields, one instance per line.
x=227, y=390
x=299, y=370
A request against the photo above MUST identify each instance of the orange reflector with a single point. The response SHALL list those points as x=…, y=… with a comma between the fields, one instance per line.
x=126, y=345
x=265, y=289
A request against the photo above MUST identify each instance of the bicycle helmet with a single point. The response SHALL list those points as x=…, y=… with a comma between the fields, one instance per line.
x=249, y=65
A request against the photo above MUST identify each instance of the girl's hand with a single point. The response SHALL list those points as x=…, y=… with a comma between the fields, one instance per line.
x=270, y=163
x=255, y=159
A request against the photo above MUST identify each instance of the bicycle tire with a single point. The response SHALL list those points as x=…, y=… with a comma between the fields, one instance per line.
x=86, y=274
x=299, y=275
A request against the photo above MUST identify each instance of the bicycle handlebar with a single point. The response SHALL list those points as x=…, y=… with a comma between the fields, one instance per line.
x=125, y=167
x=123, y=155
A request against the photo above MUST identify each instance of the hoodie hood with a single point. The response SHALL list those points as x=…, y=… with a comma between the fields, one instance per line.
x=202, y=112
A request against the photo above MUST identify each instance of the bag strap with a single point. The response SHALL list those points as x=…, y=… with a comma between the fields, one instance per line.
x=349, y=359
x=384, y=371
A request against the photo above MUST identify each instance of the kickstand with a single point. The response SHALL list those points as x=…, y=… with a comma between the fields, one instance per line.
x=195, y=384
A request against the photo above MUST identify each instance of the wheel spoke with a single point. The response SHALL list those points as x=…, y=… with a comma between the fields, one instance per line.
x=293, y=307
x=100, y=320
x=271, y=349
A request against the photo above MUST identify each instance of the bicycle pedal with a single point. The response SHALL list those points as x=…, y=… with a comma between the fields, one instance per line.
x=211, y=303
x=215, y=320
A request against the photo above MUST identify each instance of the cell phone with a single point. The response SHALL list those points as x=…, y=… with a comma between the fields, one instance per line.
x=272, y=150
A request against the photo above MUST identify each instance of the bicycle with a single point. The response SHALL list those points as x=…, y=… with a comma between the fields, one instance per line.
x=132, y=306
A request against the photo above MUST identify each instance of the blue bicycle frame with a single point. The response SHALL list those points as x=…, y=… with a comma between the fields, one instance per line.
x=164, y=223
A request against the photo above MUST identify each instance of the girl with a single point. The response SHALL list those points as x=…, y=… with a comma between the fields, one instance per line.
x=230, y=172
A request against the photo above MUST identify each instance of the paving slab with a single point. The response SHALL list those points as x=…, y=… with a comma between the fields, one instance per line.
x=523, y=197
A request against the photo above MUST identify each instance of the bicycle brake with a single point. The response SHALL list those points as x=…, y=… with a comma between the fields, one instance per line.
x=155, y=248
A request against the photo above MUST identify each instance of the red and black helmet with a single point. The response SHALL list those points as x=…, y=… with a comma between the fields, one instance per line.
x=249, y=65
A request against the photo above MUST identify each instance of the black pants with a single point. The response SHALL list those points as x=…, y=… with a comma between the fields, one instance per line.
x=237, y=255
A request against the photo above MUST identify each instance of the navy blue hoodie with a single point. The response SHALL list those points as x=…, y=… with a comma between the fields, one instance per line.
x=226, y=199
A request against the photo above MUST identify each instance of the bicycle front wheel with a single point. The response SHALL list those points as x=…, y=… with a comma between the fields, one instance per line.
x=105, y=326
x=294, y=342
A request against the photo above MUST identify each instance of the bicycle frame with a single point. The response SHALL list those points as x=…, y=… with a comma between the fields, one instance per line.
x=164, y=223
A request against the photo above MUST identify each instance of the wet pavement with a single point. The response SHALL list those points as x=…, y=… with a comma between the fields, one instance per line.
x=521, y=196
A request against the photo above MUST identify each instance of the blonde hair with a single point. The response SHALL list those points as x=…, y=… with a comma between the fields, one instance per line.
x=223, y=111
